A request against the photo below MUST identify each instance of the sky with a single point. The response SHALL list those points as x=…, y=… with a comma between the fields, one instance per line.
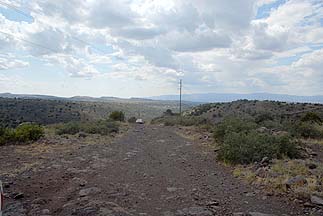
x=140, y=48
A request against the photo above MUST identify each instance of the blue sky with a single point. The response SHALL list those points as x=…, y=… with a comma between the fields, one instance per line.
x=142, y=48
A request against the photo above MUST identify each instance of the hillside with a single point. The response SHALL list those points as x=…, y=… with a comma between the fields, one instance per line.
x=228, y=97
x=215, y=112
x=14, y=111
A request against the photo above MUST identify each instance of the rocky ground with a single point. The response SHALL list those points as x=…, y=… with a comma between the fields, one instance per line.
x=150, y=170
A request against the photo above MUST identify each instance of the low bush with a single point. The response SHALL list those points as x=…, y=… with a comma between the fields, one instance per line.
x=117, y=116
x=132, y=120
x=7, y=135
x=28, y=132
x=69, y=128
x=311, y=117
x=264, y=116
x=240, y=143
x=307, y=130
x=102, y=127
x=232, y=125
x=245, y=148
x=23, y=133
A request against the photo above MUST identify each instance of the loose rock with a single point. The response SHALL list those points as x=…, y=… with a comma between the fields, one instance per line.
x=89, y=191
x=317, y=200
x=296, y=181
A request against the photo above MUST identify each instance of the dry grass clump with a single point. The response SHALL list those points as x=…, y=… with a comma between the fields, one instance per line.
x=301, y=178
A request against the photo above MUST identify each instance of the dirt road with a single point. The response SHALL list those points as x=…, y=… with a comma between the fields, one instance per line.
x=151, y=170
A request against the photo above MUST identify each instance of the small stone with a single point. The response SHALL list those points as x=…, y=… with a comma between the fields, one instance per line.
x=311, y=166
x=296, y=181
x=250, y=194
x=194, y=211
x=82, y=135
x=261, y=172
x=213, y=204
x=259, y=214
x=80, y=181
x=317, y=200
x=45, y=211
x=168, y=213
x=308, y=205
x=19, y=196
x=89, y=191
x=39, y=201
x=265, y=160
x=171, y=189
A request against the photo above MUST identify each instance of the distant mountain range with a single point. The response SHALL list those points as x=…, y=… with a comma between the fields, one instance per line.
x=75, y=98
x=195, y=98
x=227, y=97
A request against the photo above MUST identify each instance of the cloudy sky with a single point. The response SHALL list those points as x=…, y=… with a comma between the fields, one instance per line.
x=131, y=48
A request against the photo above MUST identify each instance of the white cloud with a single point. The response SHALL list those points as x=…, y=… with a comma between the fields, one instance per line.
x=10, y=62
x=214, y=45
x=75, y=67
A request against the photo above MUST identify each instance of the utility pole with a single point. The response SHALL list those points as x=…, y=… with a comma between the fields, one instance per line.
x=180, y=97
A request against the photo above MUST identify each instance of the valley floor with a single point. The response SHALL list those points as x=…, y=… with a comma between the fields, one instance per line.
x=150, y=170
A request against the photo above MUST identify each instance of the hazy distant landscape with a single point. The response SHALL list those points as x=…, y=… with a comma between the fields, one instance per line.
x=227, y=97
x=16, y=109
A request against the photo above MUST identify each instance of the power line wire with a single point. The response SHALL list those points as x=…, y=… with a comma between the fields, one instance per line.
x=15, y=9
x=30, y=42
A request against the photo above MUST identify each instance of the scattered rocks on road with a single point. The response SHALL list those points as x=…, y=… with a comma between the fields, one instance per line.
x=251, y=214
x=192, y=211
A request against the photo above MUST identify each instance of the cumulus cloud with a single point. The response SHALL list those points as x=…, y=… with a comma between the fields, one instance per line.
x=216, y=44
x=9, y=62
x=75, y=67
x=196, y=41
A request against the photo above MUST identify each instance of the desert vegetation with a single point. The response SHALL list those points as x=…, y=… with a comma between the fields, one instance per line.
x=14, y=111
x=21, y=134
x=117, y=116
x=102, y=127
x=239, y=141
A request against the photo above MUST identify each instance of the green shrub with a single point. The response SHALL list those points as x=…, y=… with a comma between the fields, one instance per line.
x=240, y=142
x=168, y=112
x=307, y=130
x=132, y=120
x=28, y=132
x=102, y=127
x=265, y=116
x=232, y=125
x=69, y=128
x=248, y=147
x=311, y=117
x=7, y=135
x=23, y=133
x=117, y=116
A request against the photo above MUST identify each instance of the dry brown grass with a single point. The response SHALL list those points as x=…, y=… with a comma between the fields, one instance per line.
x=280, y=172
